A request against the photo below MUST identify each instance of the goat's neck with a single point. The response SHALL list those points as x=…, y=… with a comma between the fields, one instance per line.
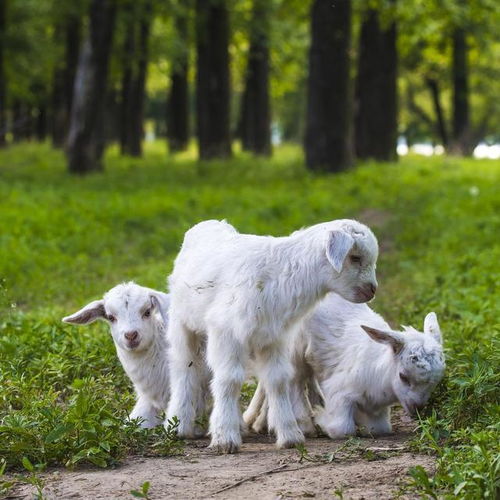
x=382, y=372
x=301, y=272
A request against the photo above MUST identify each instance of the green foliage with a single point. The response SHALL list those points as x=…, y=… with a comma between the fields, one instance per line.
x=143, y=492
x=66, y=240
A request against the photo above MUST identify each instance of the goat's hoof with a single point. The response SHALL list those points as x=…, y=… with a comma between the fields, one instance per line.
x=308, y=428
x=259, y=428
x=290, y=441
x=222, y=448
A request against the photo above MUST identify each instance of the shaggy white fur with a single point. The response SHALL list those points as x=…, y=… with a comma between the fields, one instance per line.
x=244, y=295
x=362, y=367
x=138, y=318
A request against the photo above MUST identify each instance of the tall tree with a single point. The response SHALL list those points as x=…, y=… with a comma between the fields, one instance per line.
x=255, y=126
x=139, y=81
x=328, y=141
x=433, y=85
x=460, y=74
x=128, y=52
x=135, y=60
x=86, y=134
x=376, y=90
x=212, y=79
x=64, y=78
x=178, y=100
x=3, y=94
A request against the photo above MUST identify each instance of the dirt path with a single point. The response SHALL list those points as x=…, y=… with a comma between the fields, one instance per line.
x=359, y=469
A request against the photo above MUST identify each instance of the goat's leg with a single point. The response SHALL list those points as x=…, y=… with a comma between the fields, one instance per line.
x=251, y=414
x=299, y=397
x=147, y=412
x=276, y=372
x=337, y=418
x=374, y=423
x=226, y=357
x=185, y=366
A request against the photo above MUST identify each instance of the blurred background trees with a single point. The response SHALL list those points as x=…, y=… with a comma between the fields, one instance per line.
x=346, y=78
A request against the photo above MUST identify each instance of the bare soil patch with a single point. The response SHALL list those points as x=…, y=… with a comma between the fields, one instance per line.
x=362, y=468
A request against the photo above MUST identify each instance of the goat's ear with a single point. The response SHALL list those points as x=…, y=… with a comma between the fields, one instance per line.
x=338, y=246
x=394, y=339
x=91, y=312
x=161, y=301
x=431, y=326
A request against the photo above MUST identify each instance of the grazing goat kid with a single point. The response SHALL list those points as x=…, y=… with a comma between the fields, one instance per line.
x=138, y=319
x=362, y=370
x=245, y=295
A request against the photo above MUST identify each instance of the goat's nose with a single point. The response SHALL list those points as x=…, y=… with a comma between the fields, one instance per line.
x=131, y=335
x=373, y=288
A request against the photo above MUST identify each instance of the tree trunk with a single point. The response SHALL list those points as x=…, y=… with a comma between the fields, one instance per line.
x=376, y=91
x=63, y=81
x=126, y=87
x=461, y=125
x=178, y=101
x=135, y=60
x=255, y=126
x=139, y=83
x=86, y=138
x=433, y=85
x=212, y=79
x=327, y=140
x=3, y=94
x=41, y=122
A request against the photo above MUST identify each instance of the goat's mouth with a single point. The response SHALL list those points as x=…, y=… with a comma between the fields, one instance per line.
x=363, y=295
x=412, y=409
x=132, y=344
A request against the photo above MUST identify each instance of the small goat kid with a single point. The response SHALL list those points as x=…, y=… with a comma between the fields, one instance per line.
x=360, y=376
x=138, y=319
x=244, y=295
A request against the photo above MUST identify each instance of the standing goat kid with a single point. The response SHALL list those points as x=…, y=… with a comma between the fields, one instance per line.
x=361, y=370
x=245, y=295
x=138, y=319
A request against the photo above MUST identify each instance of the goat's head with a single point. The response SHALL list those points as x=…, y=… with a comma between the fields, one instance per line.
x=419, y=361
x=128, y=308
x=352, y=250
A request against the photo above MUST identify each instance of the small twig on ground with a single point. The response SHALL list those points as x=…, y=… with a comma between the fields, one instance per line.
x=276, y=470
x=394, y=448
x=250, y=478
x=179, y=475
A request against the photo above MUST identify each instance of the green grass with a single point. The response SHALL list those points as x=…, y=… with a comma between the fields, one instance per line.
x=65, y=240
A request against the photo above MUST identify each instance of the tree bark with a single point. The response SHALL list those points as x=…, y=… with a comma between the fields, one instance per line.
x=212, y=79
x=86, y=137
x=376, y=91
x=178, y=101
x=433, y=85
x=327, y=140
x=3, y=93
x=41, y=122
x=461, y=143
x=63, y=81
x=255, y=125
x=135, y=60
x=139, y=83
x=126, y=86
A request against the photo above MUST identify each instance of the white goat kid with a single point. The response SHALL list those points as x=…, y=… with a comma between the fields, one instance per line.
x=138, y=319
x=360, y=376
x=245, y=295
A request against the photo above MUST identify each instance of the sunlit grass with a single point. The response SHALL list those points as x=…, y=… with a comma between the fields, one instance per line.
x=64, y=240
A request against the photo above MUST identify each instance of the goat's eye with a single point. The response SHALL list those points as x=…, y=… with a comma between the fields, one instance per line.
x=147, y=313
x=355, y=259
x=404, y=379
x=111, y=318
